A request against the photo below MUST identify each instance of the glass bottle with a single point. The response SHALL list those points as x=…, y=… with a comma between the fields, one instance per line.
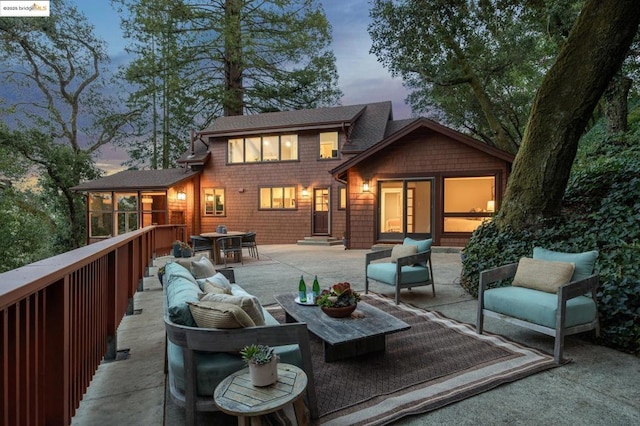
x=302, y=290
x=315, y=288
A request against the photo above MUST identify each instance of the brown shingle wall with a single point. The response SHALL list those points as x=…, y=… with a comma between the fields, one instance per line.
x=241, y=183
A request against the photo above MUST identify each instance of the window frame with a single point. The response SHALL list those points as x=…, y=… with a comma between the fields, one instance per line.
x=482, y=213
x=335, y=148
x=293, y=201
x=257, y=145
x=214, y=192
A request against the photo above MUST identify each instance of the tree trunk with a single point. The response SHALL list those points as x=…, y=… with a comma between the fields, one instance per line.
x=615, y=104
x=233, y=98
x=595, y=49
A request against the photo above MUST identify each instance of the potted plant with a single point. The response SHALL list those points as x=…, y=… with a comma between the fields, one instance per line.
x=185, y=249
x=176, y=247
x=161, y=274
x=262, y=362
x=339, y=301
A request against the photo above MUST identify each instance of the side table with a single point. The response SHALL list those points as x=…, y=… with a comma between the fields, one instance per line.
x=236, y=395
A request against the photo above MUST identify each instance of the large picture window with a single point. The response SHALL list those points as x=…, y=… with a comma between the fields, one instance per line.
x=278, y=197
x=258, y=149
x=329, y=145
x=100, y=214
x=467, y=202
x=214, y=202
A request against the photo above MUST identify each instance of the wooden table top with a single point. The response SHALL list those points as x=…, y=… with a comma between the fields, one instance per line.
x=236, y=395
x=219, y=235
x=342, y=330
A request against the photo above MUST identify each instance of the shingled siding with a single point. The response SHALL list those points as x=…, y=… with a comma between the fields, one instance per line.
x=423, y=154
x=241, y=183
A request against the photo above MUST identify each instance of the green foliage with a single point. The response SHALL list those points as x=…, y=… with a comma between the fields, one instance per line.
x=257, y=354
x=601, y=210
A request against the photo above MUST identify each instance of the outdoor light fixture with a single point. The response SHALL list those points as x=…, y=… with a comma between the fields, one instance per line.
x=182, y=195
x=305, y=192
x=365, y=185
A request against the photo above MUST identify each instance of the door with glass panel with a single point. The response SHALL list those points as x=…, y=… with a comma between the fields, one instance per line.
x=405, y=208
x=321, y=211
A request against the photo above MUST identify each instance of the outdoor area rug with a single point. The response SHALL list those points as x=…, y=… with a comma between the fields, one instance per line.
x=437, y=362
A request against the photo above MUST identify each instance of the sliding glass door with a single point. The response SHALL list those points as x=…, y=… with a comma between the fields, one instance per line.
x=405, y=209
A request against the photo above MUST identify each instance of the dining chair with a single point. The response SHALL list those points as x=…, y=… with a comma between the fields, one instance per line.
x=249, y=242
x=231, y=245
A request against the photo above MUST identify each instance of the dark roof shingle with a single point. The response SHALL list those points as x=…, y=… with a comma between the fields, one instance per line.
x=137, y=180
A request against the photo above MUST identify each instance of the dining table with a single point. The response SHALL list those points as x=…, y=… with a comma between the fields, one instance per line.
x=214, y=236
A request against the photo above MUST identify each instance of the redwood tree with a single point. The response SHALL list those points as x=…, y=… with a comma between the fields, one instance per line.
x=593, y=53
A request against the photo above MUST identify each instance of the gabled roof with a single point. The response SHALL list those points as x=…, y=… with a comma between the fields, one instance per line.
x=370, y=127
x=396, y=130
x=284, y=121
x=127, y=180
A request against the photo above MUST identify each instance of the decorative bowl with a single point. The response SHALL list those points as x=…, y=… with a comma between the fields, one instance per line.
x=341, y=312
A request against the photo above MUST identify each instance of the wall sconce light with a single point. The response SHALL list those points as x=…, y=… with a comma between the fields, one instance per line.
x=365, y=185
x=305, y=192
x=182, y=195
x=491, y=206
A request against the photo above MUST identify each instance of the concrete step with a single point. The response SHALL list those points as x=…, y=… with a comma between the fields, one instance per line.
x=320, y=241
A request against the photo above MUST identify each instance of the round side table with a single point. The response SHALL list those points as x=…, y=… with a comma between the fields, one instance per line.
x=236, y=395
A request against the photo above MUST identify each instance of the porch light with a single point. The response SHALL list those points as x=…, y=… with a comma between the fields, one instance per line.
x=182, y=195
x=365, y=185
x=305, y=192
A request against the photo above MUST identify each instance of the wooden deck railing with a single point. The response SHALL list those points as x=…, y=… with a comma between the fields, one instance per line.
x=58, y=320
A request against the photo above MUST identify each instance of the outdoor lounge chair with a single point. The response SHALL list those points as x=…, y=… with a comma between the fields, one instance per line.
x=532, y=303
x=409, y=266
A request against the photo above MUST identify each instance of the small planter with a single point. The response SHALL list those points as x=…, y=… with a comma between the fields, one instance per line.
x=341, y=312
x=177, y=249
x=264, y=374
x=187, y=252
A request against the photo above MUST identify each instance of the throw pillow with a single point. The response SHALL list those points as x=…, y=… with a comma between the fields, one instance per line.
x=202, y=268
x=213, y=288
x=401, y=250
x=585, y=261
x=250, y=304
x=184, y=262
x=219, y=315
x=543, y=275
x=220, y=280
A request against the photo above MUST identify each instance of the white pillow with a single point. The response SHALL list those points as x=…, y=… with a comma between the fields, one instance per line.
x=402, y=250
x=218, y=279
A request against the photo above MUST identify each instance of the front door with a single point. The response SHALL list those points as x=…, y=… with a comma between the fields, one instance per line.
x=321, y=209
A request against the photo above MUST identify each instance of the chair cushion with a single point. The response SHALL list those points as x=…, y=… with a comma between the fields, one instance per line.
x=219, y=315
x=401, y=250
x=538, y=307
x=423, y=245
x=585, y=262
x=543, y=275
x=386, y=273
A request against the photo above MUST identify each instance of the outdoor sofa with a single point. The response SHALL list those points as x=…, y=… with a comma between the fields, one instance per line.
x=199, y=358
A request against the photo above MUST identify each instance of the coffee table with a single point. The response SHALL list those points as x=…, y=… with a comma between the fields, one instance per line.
x=344, y=337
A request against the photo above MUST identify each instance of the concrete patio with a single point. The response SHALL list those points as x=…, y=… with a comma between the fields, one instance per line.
x=599, y=387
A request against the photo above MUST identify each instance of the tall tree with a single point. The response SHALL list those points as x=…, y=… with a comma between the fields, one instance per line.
x=55, y=66
x=479, y=62
x=227, y=57
x=562, y=107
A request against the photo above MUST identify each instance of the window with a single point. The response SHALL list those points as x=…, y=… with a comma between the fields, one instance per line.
x=342, y=202
x=278, y=197
x=126, y=212
x=214, y=202
x=467, y=202
x=263, y=148
x=329, y=145
x=154, y=208
x=100, y=214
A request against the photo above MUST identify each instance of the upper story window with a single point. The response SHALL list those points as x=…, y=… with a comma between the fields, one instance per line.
x=278, y=197
x=257, y=149
x=329, y=145
x=214, y=202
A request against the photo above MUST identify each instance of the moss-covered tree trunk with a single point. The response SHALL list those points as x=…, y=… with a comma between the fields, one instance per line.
x=595, y=49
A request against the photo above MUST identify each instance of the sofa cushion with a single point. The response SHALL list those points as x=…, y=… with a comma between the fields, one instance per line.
x=538, y=307
x=180, y=291
x=401, y=250
x=543, y=275
x=585, y=262
x=423, y=245
x=249, y=304
x=202, y=267
x=209, y=287
x=386, y=273
x=219, y=315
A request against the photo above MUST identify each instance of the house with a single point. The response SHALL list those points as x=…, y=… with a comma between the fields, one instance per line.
x=328, y=172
